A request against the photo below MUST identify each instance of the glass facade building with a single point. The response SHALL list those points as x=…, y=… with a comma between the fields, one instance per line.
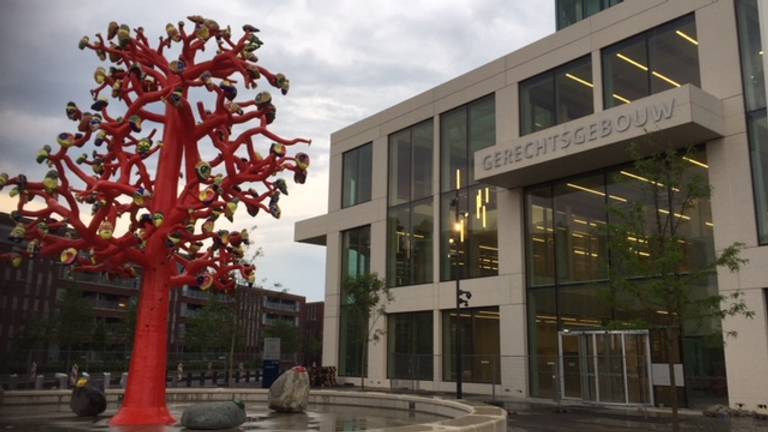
x=510, y=181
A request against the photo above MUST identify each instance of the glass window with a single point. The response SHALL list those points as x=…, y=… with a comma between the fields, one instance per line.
x=579, y=222
x=463, y=131
x=480, y=345
x=659, y=59
x=753, y=80
x=758, y=140
x=409, y=226
x=409, y=247
x=556, y=96
x=471, y=251
x=482, y=239
x=573, y=11
x=541, y=235
x=751, y=49
x=537, y=103
x=423, y=142
x=567, y=261
x=356, y=176
x=355, y=261
x=398, y=247
x=674, y=55
x=453, y=137
x=409, y=344
x=356, y=251
x=400, y=167
x=542, y=342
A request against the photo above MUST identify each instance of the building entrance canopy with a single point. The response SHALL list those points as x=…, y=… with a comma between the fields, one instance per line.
x=675, y=118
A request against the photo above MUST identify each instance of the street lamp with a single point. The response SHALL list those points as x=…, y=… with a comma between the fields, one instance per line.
x=462, y=297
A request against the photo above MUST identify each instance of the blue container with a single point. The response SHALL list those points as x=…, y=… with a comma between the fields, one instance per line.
x=270, y=372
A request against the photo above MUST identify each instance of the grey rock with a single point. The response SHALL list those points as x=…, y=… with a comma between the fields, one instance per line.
x=290, y=392
x=717, y=411
x=214, y=415
x=87, y=400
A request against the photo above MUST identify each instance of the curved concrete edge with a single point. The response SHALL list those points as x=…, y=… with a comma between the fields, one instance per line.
x=461, y=415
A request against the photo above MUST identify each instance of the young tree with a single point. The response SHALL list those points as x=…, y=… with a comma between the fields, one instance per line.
x=290, y=340
x=73, y=321
x=657, y=266
x=365, y=299
x=212, y=329
x=146, y=195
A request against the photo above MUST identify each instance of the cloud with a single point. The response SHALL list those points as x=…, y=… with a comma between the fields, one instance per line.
x=346, y=59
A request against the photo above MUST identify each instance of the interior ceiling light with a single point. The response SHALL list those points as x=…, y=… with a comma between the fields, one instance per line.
x=666, y=78
x=632, y=62
x=686, y=37
x=695, y=162
x=621, y=98
x=580, y=81
x=595, y=192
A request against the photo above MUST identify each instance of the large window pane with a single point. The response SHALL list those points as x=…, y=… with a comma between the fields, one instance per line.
x=399, y=246
x=673, y=49
x=537, y=103
x=568, y=12
x=483, y=240
x=574, y=90
x=422, y=142
x=421, y=241
x=480, y=345
x=482, y=129
x=579, y=221
x=356, y=176
x=542, y=341
x=356, y=251
x=453, y=236
x=541, y=237
x=657, y=60
x=625, y=72
x=409, y=343
x=751, y=49
x=453, y=148
x=758, y=140
x=355, y=261
x=400, y=167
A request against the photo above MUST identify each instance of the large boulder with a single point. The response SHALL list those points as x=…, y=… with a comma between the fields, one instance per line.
x=87, y=400
x=290, y=392
x=214, y=415
x=717, y=411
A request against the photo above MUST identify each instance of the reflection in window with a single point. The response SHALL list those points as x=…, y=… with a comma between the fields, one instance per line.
x=567, y=260
x=356, y=176
x=355, y=261
x=556, y=96
x=470, y=248
x=409, y=222
x=409, y=344
x=659, y=59
x=750, y=47
x=479, y=345
x=463, y=131
x=758, y=140
x=572, y=11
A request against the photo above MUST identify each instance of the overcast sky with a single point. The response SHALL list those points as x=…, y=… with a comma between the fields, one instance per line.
x=346, y=60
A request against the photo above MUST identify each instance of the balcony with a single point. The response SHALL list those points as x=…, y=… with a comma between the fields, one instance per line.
x=288, y=307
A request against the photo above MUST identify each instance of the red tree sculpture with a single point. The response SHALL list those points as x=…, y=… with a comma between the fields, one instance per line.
x=159, y=190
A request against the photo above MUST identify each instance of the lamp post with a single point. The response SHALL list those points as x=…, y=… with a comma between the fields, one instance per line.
x=462, y=297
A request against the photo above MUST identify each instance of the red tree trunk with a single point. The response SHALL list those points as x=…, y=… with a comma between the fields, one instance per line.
x=144, y=401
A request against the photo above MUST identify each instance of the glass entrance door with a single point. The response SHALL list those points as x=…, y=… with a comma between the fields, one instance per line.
x=606, y=367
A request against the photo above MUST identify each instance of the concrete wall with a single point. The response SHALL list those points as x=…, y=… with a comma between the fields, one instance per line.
x=732, y=201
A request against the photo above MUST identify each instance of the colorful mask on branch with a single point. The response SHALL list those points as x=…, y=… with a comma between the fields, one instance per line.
x=68, y=256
